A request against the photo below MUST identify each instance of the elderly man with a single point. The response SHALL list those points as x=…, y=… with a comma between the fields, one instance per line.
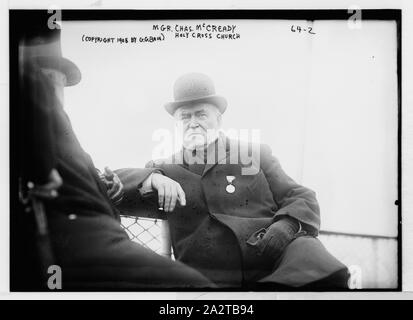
x=253, y=228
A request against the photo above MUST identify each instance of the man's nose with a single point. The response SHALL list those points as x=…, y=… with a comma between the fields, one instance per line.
x=193, y=123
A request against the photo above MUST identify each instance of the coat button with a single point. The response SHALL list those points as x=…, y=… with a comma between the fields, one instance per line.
x=72, y=216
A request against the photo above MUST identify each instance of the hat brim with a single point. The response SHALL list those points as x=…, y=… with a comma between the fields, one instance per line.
x=218, y=101
x=67, y=67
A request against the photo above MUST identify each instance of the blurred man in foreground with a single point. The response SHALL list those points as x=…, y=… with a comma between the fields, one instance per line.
x=85, y=236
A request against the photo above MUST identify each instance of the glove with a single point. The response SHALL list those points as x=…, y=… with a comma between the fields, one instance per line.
x=271, y=242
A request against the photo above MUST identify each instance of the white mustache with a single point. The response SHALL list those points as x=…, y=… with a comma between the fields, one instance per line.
x=193, y=132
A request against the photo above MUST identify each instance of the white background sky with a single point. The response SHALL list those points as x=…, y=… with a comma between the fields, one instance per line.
x=325, y=103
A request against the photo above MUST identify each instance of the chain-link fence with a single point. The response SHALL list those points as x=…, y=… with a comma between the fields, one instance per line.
x=154, y=234
x=151, y=233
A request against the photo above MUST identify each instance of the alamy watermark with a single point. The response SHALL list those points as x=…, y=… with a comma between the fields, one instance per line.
x=54, y=282
x=354, y=21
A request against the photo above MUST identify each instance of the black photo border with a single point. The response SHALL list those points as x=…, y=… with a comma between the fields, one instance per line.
x=21, y=18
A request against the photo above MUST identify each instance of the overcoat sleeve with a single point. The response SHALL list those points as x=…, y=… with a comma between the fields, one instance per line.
x=292, y=199
x=133, y=203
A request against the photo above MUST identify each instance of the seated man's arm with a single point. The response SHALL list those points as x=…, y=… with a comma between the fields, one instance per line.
x=146, y=189
x=293, y=200
x=137, y=197
x=298, y=209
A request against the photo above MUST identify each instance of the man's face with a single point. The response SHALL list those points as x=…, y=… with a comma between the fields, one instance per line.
x=200, y=123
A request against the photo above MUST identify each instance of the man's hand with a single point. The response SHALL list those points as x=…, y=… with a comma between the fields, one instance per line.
x=169, y=191
x=113, y=184
x=272, y=241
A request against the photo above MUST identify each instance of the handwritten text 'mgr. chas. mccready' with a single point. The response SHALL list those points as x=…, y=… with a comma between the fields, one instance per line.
x=202, y=30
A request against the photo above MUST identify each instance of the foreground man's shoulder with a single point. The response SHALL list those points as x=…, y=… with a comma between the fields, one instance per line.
x=155, y=163
x=159, y=163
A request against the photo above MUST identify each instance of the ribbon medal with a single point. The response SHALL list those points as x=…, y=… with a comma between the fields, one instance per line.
x=230, y=187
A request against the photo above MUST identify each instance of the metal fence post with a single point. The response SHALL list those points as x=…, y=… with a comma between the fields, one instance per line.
x=166, y=239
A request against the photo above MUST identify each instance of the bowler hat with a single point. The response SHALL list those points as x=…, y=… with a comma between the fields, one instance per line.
x=44, y=49
x=195, y=87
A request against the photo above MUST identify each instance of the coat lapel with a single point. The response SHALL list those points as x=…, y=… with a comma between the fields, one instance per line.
x=178, y=159
x=222, y=154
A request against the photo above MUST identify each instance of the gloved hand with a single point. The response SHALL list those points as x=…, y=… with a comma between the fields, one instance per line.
x=271, y=242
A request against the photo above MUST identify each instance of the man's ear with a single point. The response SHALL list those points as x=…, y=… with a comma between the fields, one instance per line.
x=175, y=115
x=219, y=118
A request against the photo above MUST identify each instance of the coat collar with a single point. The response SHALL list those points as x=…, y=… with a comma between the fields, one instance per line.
x=220, y=155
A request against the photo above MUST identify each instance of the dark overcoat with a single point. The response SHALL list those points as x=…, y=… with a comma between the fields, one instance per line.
x=211, y=232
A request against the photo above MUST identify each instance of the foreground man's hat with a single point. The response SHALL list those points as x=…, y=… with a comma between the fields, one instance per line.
x=195, y=87
x=45, y=50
